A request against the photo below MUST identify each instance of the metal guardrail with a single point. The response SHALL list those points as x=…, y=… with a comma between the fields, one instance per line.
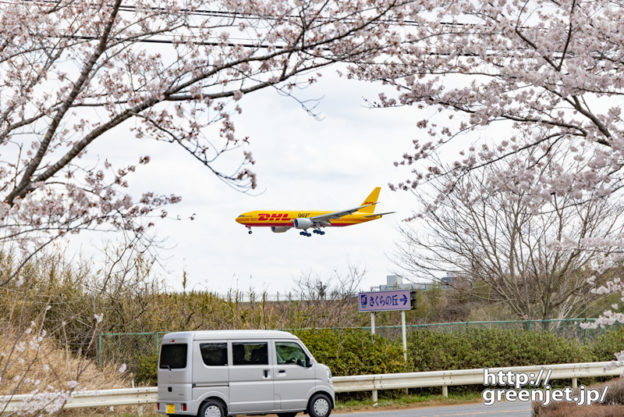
x=86, y=399
x=444, y=379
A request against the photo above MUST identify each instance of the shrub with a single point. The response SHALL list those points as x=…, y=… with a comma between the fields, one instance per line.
x=485, y=348
x=354, y=352
x=607, y=344
x=146, y=372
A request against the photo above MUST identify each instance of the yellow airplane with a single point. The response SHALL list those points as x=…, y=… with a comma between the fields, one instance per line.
x=282, y=220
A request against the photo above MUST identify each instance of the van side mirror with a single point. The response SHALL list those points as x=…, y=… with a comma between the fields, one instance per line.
x=306, y=363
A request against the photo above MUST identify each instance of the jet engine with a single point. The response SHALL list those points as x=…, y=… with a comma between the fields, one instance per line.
x=279, y=229
x=303, y=223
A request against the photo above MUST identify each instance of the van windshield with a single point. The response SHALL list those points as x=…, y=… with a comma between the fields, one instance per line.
x=173, y=356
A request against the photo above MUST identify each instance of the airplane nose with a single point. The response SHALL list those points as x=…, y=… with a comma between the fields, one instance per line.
x=239, y=219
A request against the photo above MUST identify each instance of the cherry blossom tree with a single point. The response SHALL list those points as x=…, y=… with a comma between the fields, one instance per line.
x=74, y=73
x=513, y=79
x=536, y=259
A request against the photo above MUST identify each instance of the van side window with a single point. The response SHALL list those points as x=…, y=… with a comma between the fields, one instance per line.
x=214, y=354
x=291, y=353
x=251, y=353
x=173, y=356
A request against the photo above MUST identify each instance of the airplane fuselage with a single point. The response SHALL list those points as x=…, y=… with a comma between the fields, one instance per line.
x=281, y=221
x=279, y=218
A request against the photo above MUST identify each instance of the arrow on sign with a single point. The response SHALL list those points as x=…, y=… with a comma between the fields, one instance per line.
x=404, y=299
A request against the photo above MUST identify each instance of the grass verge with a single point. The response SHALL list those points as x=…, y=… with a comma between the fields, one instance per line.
x=409, y=400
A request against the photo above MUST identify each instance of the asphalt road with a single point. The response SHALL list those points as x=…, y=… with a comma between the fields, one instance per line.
x=504, y=409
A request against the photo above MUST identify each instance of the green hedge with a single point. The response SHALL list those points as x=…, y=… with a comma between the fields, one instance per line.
x=485, y=348
x=607, y=344
x=356, y=352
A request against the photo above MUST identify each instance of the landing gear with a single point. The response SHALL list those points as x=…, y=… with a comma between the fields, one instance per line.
x=248, y=227
x=308, y=234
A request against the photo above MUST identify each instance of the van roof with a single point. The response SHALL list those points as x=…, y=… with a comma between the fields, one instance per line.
x=230, y=334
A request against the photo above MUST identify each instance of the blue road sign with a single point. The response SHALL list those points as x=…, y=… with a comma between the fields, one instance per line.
x=384, y=301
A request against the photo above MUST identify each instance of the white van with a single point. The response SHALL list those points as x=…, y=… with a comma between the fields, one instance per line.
x=218, y=373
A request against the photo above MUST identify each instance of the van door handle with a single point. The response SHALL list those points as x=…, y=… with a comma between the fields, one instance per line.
x=266, y=373
x=282, y=371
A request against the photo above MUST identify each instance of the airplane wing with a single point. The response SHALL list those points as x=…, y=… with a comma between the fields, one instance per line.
x=324, y=219
x=380, y=214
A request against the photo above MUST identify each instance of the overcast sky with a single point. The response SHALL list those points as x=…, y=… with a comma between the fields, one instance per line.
x=301, y=163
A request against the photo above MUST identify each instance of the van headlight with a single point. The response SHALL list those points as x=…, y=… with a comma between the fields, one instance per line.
x=328, y=375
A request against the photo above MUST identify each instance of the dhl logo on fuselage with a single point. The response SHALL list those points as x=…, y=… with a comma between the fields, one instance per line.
x=275, y=218
x=284, y=217
x=262, y=217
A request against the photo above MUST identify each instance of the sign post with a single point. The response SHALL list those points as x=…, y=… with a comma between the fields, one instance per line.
x=393, y=300
x=372, y=322
x=404, y=335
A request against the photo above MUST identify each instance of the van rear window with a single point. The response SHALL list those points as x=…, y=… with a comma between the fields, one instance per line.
x=173, y=356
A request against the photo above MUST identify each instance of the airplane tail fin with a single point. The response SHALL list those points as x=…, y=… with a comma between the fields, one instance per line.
x=372, y=200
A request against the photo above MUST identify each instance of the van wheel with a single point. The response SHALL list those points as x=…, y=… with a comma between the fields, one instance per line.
x=211, y=408
x=319, y=406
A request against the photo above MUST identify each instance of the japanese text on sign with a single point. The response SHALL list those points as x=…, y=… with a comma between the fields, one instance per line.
x=384, y=300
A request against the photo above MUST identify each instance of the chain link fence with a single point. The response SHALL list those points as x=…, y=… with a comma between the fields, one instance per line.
x=567, y=328
x=127, y=347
